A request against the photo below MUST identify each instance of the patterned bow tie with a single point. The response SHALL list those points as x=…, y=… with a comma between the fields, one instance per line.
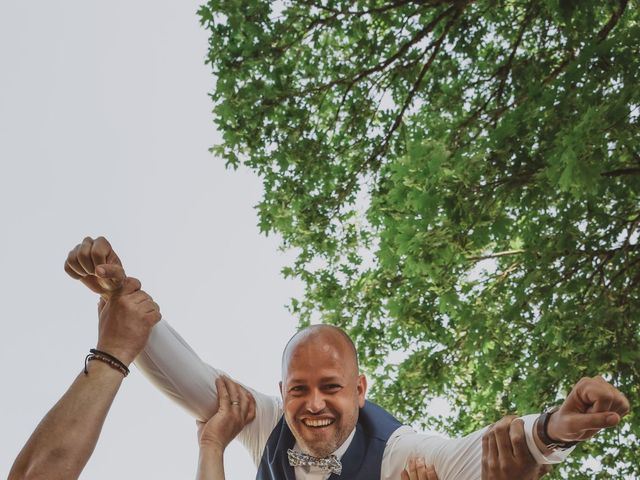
x=327, y=464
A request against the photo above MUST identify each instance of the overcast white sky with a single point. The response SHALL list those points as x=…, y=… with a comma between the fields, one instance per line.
x=104, y=129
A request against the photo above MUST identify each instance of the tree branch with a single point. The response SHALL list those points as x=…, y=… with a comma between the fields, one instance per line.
x=505, y=253
x=621, y=171
x=375, y=155
x=360, y=13
x=506, y=69
x=613, y=21
x=422, y=34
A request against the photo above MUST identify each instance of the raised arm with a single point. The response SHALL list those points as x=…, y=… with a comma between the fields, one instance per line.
x=61, y=445
x=169, y=362
x=592, y=405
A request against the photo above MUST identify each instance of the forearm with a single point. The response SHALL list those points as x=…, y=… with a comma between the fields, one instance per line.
x=211, y=464
x=172, y=366
x=62, y=443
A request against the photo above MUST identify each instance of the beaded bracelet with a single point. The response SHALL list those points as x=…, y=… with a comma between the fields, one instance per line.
x=106, y=358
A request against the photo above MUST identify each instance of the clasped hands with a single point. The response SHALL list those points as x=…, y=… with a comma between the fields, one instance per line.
x=126, y=313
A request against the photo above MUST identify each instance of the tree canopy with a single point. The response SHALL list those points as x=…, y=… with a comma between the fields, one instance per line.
x=461, y=183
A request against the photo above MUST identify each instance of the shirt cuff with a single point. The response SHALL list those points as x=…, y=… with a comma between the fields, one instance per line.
x=556, y=456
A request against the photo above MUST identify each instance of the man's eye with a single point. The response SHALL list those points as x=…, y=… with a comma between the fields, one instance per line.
x=297, y=388
x=333, y=386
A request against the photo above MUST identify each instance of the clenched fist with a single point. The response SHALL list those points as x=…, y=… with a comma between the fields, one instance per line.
x=592, y=405
x=82, y=261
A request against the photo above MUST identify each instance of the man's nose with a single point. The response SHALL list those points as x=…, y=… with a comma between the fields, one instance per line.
x=316, y=403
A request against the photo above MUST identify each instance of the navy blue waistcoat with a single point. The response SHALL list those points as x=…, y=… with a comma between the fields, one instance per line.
x=361, y=461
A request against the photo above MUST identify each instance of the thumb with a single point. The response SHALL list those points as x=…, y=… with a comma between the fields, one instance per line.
x=578, y=422
x=110, y=275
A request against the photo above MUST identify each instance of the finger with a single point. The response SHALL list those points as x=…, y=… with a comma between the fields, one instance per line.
x=411, y=469
x=239, y=401
x=234, y=394
x=69, y=270
x=245, y=403
x=84, y=255
x=130, y=285
x=404, y=475
x=503, y=441
x=624, y=407
x=223, y=394
x=519, y=441
x=146, y=306
x=421, y=469
x=111, y=272
x=492, y=461
x=72, y=263
x=149, y=306
x=620, y=403
x=594, y=390
x=100, y=251
x=580, y=422
x=485, y=453
x=113, y=258
x=152, y=317
x=251, y=413
x=76, y=271
x=602, y=394
x=139, y=298
x=431, y=473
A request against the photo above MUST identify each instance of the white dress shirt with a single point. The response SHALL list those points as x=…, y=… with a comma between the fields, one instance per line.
x=170, y=364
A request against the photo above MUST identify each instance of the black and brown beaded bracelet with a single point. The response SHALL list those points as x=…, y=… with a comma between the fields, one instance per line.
x=106, y=358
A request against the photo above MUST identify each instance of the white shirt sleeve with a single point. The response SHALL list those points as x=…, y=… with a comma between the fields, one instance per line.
x=177, y=371
x=454, y=459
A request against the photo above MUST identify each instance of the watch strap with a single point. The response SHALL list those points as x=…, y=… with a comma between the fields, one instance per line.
x=542, y=431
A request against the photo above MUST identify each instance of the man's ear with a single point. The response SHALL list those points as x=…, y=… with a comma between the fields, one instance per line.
x=362, y=389
x=280, y=388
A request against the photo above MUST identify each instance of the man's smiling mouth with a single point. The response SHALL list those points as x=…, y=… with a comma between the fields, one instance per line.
x=318, y=422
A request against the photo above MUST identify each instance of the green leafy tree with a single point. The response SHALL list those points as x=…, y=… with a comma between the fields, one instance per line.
x=461, y=182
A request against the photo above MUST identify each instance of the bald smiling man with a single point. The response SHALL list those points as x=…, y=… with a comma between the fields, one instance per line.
x=322, y=427
x=321, y=356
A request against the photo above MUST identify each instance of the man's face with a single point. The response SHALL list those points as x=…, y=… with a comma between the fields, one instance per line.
x=322, y=392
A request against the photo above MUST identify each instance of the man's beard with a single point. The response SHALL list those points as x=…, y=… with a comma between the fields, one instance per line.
x=317, y=445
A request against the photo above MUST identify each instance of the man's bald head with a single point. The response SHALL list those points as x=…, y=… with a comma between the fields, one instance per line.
x=321, y=334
